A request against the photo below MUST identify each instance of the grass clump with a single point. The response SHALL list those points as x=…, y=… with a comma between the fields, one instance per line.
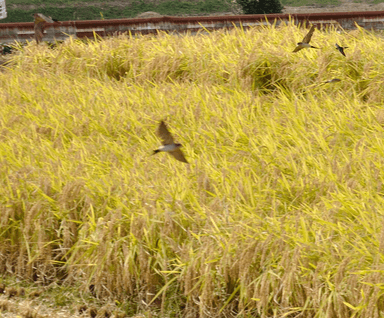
x=279, y=212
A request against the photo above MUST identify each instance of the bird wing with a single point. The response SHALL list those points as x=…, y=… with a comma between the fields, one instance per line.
x=340, y=49
x=164, y=134
x=39, y=17
x=297, y=49
x=178, y=154
x=307, y=38
x=334, y=80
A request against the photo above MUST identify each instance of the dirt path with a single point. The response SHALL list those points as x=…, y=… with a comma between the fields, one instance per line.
x=116, y=3
x=346, y=6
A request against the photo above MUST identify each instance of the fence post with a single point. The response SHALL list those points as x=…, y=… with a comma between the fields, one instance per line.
x=3, y=11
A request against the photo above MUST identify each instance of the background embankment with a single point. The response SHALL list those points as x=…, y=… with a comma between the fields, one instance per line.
x=69, y=10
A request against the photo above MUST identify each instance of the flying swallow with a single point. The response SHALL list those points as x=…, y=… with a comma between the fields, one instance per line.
x=305, y=43
x=341, y=48
x=169, y=144
x=333, y=80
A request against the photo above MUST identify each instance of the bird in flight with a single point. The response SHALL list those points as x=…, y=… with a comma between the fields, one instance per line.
x=341, y=48
x=333, y=80
x=305, y=43
x=169, y=144
x=39, y=25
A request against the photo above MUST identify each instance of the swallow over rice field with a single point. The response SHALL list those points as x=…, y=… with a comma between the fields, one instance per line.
x=278, y=213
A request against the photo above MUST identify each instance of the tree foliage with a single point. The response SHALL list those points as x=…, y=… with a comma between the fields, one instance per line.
x=261, y=6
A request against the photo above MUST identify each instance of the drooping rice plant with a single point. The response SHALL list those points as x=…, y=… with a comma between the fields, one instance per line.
x=279, y=212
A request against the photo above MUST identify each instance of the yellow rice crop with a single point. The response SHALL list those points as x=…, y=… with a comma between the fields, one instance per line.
x=278, y=214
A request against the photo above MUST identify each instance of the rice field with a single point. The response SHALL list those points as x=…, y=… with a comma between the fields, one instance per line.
x=279, y=212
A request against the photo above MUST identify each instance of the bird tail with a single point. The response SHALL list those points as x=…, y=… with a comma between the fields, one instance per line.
x=155, y=151
x=314, y=47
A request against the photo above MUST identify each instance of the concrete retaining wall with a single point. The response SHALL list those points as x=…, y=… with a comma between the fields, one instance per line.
x=80, y=29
